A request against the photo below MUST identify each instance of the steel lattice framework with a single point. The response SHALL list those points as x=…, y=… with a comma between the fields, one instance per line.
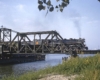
x=23, y=43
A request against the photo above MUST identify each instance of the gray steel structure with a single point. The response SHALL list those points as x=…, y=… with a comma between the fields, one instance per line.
x=23, y=43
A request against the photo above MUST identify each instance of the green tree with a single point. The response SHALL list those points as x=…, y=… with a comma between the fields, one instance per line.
x=50, y=7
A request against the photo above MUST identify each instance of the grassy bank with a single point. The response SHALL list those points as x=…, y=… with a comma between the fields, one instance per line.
x=87, y=69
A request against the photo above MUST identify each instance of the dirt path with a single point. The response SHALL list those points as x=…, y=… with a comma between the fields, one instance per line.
x=58, y=77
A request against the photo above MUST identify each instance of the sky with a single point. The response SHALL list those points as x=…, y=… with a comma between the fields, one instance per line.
x=81, y=18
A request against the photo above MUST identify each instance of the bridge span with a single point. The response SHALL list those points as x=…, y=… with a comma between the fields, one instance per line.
x=26, y=42
x=15, y=44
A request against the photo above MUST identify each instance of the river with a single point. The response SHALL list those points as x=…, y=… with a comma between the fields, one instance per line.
x=18, y=69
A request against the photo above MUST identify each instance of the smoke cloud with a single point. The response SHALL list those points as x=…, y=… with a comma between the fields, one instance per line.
x=78, y=27
x=76, y=18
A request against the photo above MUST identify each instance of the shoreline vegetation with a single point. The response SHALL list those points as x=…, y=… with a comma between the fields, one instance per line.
x=87, y=68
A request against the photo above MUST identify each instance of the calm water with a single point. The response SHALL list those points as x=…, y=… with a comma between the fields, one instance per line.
x=17, y=69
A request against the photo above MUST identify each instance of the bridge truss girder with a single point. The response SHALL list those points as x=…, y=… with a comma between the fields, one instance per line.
x=23, y=43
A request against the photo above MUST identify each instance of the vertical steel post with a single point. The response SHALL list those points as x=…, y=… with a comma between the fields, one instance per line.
x=25, y=45
x=10, y=40
x=18, y=43
x=34, y=43
x=10, y=36
x=42, y=46
x=3, y=36
x=61, y=46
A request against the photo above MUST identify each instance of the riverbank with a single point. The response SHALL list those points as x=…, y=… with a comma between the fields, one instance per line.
x=87, y=68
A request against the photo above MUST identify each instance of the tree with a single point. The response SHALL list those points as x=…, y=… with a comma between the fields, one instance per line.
x=51, y=7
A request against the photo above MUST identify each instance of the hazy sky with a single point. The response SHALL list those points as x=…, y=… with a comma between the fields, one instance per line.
x=80, y=19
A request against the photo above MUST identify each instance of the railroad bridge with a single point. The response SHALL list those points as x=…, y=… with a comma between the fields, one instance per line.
x=47, y=42
x=35, y=43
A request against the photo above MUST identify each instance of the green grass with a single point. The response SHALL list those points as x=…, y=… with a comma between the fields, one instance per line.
x=88, y=67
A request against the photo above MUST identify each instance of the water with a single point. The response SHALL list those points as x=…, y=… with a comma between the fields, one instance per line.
x=17, y=69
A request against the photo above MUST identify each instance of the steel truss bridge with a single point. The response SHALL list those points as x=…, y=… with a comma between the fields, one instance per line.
x=26, y=42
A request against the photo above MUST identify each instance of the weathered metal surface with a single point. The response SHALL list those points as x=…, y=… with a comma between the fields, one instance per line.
x=23, y=43
x=27, y=42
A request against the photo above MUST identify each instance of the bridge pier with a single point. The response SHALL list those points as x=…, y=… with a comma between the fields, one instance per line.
x=74, y=54
x=20, y=58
